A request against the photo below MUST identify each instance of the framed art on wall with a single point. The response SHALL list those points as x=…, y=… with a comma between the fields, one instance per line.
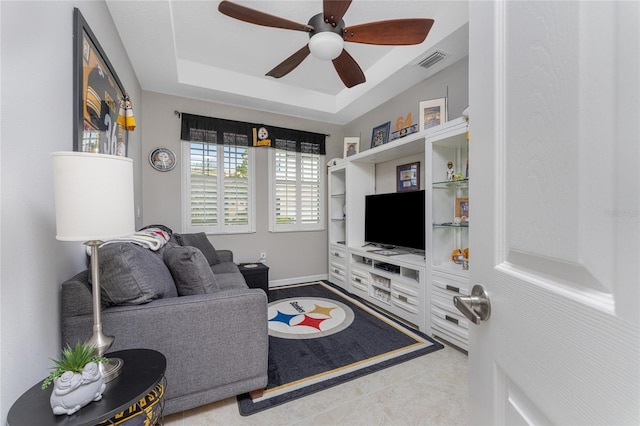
x=380, y=134
x=97, y=95
x=433, y=113
x=351, y=146
x=462, y=207
x=408, y=177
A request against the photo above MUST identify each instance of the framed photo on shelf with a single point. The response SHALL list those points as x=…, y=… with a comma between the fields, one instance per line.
x=97, y=95
x=408, y=177
x=351, y=146
x=380, y=134
x=462, y=207
x=433, y=113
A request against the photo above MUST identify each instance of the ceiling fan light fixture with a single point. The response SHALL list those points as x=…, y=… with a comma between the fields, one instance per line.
x=326, y=45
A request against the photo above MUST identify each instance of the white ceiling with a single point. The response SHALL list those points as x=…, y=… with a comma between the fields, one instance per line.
x=189, y=49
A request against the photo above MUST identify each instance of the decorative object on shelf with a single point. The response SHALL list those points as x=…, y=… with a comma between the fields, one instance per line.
x=334, y=162
x=404, y=127
x=462, y=208
x=403, y=123
x=94, y=202
x=408, y=177
x=380, y=134
x=98, y=94
x=451, y=174
x=76, y=379
x=162, y=159
x=404, y=132
x=351, y=146
x=433, y=113
x=461, y=257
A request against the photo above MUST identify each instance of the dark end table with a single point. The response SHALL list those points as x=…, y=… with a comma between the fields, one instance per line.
x=256, y=276
x=143, y=369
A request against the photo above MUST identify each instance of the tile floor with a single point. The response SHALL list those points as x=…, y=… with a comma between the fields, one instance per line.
x=429, y=390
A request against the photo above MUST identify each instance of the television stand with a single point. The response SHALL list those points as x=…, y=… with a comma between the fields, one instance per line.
x=396, y=284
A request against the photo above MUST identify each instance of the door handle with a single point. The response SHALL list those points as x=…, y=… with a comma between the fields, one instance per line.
x=476, y=307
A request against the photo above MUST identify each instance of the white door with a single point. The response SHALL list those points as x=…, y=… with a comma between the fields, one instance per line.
x=555, y=158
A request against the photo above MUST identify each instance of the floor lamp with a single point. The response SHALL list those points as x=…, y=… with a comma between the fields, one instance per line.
x=94, y=202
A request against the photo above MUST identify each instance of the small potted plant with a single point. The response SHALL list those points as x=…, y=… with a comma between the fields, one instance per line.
x=76, y=379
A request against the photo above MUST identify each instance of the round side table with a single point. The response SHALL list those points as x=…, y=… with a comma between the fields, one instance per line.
x=143, y=370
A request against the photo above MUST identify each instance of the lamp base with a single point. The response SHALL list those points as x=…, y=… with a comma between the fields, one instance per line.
x=112, y=369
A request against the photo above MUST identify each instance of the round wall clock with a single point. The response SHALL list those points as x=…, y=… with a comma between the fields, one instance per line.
x=162, y=159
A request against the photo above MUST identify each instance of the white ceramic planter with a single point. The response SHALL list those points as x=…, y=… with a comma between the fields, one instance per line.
x=72, y=391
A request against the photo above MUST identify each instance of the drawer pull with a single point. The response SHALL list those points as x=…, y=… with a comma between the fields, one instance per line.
x=403, y=298
x=452, y=288
x=451, y=319
x=358, y=280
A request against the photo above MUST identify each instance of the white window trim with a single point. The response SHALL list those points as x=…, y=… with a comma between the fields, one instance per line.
x=298, y=227
x=220, y=228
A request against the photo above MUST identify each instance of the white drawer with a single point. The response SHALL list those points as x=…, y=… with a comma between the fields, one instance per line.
x=438, y=321
x=337, y=254
x=337, y=272
x=442, y=311
x=405, y=289
x=408, y=304
x=359, y=280
x=452, y=285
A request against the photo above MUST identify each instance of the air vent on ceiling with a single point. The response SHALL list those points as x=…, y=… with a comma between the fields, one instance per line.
x=432, y=59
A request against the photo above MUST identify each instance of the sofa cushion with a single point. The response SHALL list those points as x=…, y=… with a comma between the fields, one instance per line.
x=228, y=276
x=132, y=275
x=201, y=242
x=190, y=270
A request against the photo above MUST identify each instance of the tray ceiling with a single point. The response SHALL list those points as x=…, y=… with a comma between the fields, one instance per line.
x=189, y=49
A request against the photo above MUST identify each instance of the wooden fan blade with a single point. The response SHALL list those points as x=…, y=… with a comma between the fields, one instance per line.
x=334, y=10
x=286, y=66
x=394, y=32
x=348, y=69
x=257, y=17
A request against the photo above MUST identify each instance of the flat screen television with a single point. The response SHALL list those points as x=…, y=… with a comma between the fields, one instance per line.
x=395, y=220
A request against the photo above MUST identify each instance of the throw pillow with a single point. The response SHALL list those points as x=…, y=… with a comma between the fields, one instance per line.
x=132, y=275
x=201, y=242
x=190, y=270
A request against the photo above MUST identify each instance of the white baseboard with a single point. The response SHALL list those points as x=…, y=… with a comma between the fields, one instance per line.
x=297, y=280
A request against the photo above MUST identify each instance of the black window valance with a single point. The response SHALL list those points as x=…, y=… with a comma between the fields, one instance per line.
x=217, y=130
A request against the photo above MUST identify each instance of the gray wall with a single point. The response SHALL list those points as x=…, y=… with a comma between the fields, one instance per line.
x=291, y=256
x=36, y=119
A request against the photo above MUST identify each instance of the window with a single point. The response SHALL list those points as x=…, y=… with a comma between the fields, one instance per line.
x=296, y=201
x=218, y=182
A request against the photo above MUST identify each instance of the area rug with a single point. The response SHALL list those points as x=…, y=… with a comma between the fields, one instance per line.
x=320, y=337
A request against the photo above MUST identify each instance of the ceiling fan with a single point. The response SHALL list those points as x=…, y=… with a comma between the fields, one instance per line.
x=327, y=34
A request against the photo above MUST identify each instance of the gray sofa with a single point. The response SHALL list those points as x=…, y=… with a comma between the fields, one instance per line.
x=212, y=332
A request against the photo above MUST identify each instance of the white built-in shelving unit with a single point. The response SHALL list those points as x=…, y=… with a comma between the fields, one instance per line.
x=415, y=287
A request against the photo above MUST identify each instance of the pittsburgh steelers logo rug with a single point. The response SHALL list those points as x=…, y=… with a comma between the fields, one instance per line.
x=308, y=317
x=320, y=336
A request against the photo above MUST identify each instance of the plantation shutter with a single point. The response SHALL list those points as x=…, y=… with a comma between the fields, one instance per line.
x=220, y=173
x=297, y=187
x=204, y=184
x=310, y=195
x=219, y=177
x=286, y=199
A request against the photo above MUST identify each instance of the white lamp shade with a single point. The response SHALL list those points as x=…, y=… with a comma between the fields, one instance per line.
x=93, y=196
x=326, y=45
